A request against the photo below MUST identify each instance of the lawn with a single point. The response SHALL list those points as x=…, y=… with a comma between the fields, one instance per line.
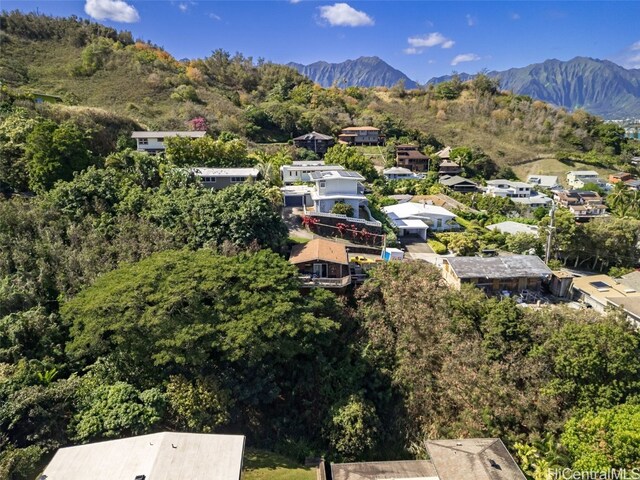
x=263, y=465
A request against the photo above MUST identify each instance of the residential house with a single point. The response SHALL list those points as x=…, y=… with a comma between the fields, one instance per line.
x=449, y=167
x=297, y=195
x=314, y=141
x=511, y=273
x=519, y=192
x=582, y=204
x=322, y=263
x=219, y=178
x=166, y=455
x=417, y=218
x=408, y=156
x=458, y=459
x=400, y=173
x=548, y=182
x=620, y=177
x=361, y=136
x=579, y=178
x=511, y=228
x=601, y=292
x=300, y=170
x=473, y=459
x=338, y=186
x=458, y=184
x=633, y=184
x=153, y=142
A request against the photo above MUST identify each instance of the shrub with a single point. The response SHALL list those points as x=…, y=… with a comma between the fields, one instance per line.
x=437, y=247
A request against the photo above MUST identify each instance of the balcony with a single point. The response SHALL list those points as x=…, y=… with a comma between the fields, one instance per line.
x=324, y=282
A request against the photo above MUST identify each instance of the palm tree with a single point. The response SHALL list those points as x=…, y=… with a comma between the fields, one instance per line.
x=617, y=199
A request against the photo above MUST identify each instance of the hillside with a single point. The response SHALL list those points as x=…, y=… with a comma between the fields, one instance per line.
x=599, y=86
x=91, y=65
x=361, y=72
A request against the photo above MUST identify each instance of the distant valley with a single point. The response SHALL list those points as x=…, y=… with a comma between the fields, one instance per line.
x=598, y=86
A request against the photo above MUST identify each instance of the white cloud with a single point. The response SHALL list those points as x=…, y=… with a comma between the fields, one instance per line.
x=431, y=62
x=431, y=40
x=183, y=7
x=116, y=10
x=213, y=16
x=635, y=46
x=465, y=57
x=471, y=21
x=412, y=51
x=295, y=1
x=514, y=16
x=343, y=15
x=632, y=62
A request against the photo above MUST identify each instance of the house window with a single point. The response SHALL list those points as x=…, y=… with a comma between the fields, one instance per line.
x=160, y=140
x=238, y=179
x=209, y=179
x=323, y=184
x=143, y=141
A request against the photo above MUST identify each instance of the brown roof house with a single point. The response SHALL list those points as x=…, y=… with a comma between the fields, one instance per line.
x=361, y=136
x=473, y=459
x=512, y=273
x=449, y=167
x=322, y=263
x=314, y=141
x=408, y=156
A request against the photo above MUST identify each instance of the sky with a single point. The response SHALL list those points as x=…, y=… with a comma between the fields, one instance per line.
x=423, y=39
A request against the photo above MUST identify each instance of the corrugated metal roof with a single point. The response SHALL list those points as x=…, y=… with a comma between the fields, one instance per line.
x=159, y=456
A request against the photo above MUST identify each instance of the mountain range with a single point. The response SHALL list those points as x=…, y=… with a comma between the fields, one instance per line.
x=362, y=72
x=598, y=86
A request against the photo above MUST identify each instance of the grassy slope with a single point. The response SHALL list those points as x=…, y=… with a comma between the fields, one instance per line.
x=263, y=465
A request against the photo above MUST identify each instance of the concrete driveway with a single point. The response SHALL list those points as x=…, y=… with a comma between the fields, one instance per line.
x=415, y=244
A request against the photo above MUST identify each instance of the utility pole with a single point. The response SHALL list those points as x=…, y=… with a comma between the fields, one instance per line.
x=552, y=213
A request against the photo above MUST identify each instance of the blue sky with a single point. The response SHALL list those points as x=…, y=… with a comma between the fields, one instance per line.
x=422, y=38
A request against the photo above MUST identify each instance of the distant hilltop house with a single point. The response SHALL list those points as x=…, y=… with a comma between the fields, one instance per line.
x=579, y=178
x=322, y=263
x=412, y=218
x=314, y=141
x=494, y=275
x=400, y=173
x=549, y=182
x=166, y=455
x=408, y=156
x=153, y=142
x=444, y=154
x=519, y=192
x=620, y=177
x=219, y=178
x=458, y=184
x=582, y=204
x=300, y=170
x=361, y=136
x=449, y=167
x=335, y=186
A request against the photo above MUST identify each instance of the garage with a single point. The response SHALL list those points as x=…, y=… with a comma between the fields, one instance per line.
x=293, y=200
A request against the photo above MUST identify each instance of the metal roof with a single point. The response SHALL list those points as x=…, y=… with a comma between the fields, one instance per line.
x=333, y=174
x=168, y=134
x=159, y=456
x=314, y=136
x=507, y=266
x=455, y=180
x=473, y=459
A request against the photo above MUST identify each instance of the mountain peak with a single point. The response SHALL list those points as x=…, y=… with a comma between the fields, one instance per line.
x=361, y=72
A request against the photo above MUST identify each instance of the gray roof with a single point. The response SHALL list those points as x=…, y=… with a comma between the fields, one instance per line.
x=314, y=136
x=473, y=459
x=335, y=174
x=159, y=456
x=403, y=469
x=631, y=280
x=190, y=134
x=507, y=266
x=455, y=180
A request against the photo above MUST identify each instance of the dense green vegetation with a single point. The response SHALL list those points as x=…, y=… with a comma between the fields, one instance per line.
x=133, y=300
